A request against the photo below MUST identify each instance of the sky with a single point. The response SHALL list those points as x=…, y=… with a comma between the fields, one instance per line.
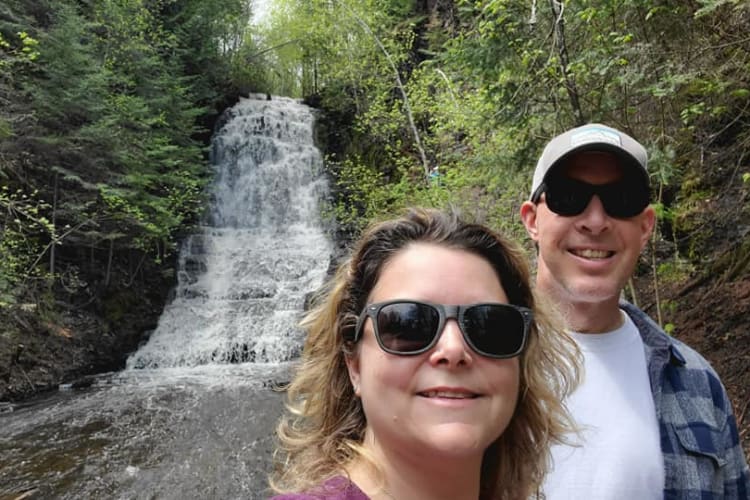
x=260, y=10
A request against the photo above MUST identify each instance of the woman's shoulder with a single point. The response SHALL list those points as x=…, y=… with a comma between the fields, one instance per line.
x=335, y=488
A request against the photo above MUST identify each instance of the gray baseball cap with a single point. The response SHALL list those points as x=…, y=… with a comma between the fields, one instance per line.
x=590, y=137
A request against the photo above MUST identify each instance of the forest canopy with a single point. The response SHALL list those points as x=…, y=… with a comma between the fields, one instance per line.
x=473, y=89
x=477, y=87
x=105, y=115
x=107, y=109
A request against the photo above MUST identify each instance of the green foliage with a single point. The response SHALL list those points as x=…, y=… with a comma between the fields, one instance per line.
x=131, y=102
x=103, y=106
x=489, y=81
x=104, y=123
x=674, y=271
x=25, y=51
x=24, y=228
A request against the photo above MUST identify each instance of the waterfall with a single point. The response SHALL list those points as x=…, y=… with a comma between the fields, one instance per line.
x=193, y=414
x=242, y=280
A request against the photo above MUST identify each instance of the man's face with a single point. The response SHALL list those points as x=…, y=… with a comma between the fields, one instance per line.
x=588, y=257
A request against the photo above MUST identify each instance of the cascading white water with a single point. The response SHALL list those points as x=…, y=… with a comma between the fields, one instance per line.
x=193, y=414
x=242, y=281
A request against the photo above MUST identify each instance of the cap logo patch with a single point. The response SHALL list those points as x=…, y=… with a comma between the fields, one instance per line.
x=595, y=135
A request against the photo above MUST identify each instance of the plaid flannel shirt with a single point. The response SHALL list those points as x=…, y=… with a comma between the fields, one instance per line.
x=703, y=458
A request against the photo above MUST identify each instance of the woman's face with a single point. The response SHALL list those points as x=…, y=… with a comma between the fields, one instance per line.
x=446, y=402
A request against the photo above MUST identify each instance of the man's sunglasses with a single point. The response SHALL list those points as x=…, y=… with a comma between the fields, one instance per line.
x=622, y=199
x=409, y=327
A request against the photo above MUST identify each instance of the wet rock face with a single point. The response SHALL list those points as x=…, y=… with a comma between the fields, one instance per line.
x=38, y=353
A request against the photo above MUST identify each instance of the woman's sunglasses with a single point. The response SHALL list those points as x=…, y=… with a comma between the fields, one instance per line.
x=409, y=327
x=622, y=199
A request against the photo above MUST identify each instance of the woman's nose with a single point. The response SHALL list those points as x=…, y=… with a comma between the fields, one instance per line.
x=451, y=348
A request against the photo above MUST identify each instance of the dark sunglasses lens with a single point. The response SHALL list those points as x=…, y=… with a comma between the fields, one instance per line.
x=567, y=197
x=623, y=199
x=495, y=330
x=406, y=327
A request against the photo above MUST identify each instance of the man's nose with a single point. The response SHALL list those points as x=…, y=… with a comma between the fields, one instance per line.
x=594, y=219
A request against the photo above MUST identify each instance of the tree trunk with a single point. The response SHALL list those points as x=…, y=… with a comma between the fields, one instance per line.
x=400, y=85
x=54, y=228
x=558, y=9
x=109, y=261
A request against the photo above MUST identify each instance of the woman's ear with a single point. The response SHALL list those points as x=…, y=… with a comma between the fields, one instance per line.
x=352, y=366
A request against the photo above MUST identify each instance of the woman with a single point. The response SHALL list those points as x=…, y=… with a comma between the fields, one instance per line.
x=429, y=371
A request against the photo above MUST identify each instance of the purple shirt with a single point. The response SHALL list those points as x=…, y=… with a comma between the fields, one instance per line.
x=336, y=488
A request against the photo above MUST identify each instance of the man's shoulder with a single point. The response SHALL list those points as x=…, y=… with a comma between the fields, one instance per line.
x=699, y=431
x=686, y=369
x=696, y=377
x=692, y=359
x=654, y=337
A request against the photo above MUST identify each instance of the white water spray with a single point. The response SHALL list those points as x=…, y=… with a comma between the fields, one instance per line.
x=242, y=281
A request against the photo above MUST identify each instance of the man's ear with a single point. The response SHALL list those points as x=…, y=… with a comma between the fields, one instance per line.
x=352, y=366
x=648, y=221
x=528, y=216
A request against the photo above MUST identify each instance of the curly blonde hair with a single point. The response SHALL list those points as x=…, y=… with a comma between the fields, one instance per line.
x=323, y=429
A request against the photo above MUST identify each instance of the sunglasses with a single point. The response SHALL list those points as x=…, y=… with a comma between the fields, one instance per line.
x=409, y=327
x=622, y=199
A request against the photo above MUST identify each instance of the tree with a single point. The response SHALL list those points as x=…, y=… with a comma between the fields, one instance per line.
x=105, y=127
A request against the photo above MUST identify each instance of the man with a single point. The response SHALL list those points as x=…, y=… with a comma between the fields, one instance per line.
x=655, y=419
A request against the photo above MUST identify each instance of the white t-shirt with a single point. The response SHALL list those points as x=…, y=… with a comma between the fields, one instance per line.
x=620, y=456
